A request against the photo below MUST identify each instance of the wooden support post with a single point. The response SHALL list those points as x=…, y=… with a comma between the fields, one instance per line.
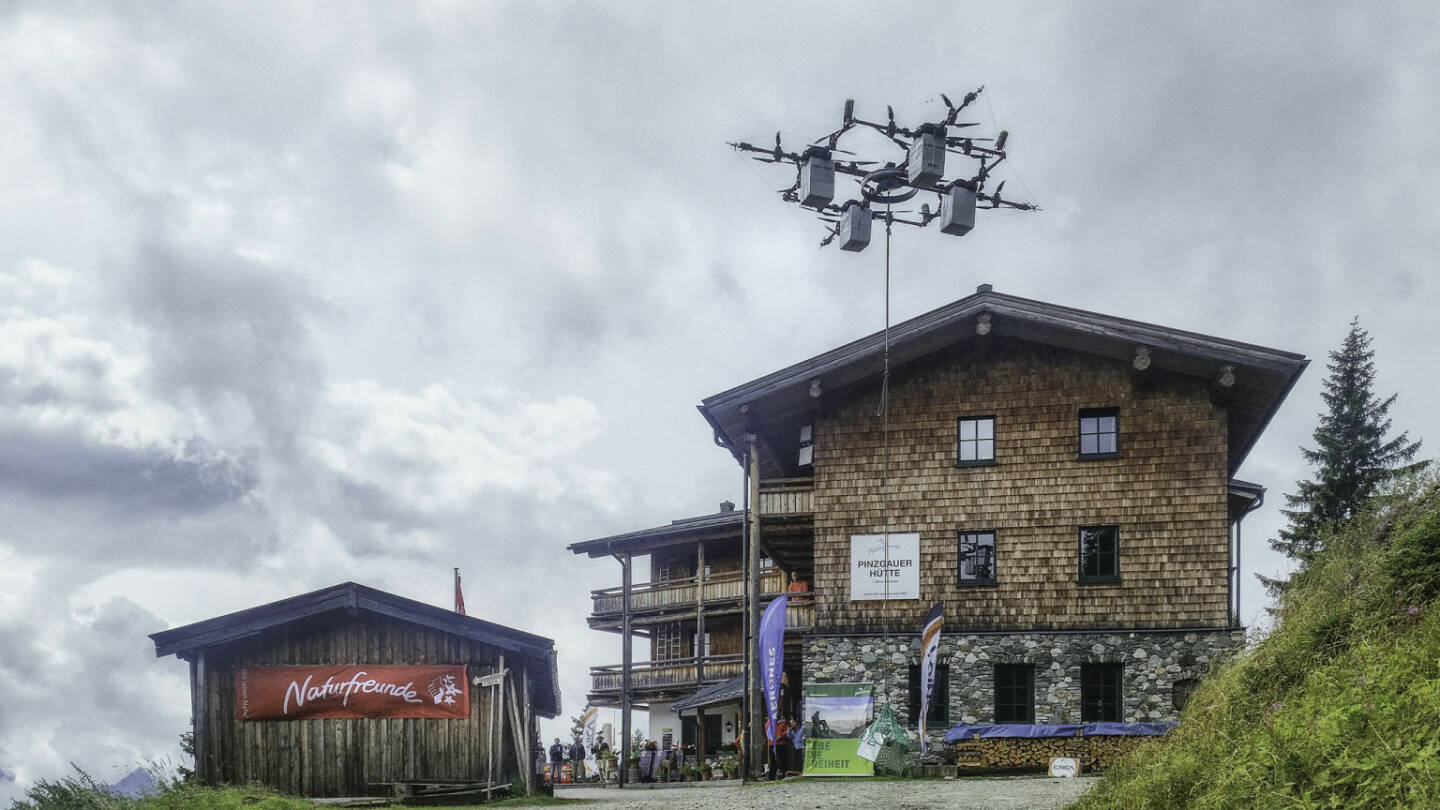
x=625, y=653
x=700, y=613
x=529, y=725
x=497, y=701
x=523, y=755
x=755, y=729
x=199, y=715
x=700, y=751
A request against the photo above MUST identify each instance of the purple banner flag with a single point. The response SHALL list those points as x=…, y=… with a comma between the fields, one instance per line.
x=772, y=659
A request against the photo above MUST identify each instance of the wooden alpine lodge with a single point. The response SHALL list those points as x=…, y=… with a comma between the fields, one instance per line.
x=1062, y=481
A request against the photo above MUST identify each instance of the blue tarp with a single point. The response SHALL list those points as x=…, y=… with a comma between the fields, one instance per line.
x=1010, y=731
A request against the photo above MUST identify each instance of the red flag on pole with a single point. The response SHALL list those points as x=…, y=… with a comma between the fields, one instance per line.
x=459, y=597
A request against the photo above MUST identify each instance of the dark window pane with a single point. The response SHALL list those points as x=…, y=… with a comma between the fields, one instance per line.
x=1014, y=693
x=1100, y=695
x=1099, y=551
x=939, y=699
x=976, y=557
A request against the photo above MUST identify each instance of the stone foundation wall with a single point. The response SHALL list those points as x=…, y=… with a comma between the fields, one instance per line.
x=1154, y=662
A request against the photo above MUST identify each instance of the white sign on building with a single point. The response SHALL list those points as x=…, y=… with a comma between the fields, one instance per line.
x=884, y=570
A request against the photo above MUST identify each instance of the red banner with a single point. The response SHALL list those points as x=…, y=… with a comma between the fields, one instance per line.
x=293, y=693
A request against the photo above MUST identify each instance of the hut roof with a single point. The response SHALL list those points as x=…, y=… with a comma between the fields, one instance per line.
x=353, y=597
x=781, y=401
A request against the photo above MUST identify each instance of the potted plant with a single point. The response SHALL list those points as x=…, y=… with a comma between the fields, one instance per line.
x=688, y=771
x=632, y=774
x=705, y=772
x=731, y=766
x=664, y=775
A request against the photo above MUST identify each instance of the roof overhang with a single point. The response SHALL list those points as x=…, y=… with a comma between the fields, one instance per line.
x=680, y=532
x=1260, y=377
x=354, y=598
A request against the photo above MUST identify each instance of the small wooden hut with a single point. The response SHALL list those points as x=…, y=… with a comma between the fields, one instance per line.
x=350, y=691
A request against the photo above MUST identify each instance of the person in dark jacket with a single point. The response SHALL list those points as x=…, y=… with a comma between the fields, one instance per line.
x=557, y=756
x=577, y=759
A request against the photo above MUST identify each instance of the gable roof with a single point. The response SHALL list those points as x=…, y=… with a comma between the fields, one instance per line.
x=352, y=597
x=780, y=400
x=721, y=524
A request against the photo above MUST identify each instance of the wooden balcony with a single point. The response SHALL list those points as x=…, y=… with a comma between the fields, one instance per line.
x=786, y=497
x=680, y=594
x=653, y=676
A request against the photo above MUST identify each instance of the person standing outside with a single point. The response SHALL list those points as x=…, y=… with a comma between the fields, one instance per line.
x=577, y=759
x=557, y=756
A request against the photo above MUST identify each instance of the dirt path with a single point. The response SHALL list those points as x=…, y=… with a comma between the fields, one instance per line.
x=974, y=793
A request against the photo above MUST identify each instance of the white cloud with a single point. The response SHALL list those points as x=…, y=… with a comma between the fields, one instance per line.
x=296, y=295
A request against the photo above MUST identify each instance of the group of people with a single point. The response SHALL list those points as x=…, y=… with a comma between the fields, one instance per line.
x=788, y=755
x=575, y=753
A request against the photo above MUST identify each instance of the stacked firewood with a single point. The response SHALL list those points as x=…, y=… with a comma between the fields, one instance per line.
x=1028, y=753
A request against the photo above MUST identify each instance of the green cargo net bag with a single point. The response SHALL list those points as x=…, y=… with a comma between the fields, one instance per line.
x=889, y=743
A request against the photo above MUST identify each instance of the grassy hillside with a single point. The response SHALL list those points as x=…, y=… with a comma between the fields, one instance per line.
x=1338, y=707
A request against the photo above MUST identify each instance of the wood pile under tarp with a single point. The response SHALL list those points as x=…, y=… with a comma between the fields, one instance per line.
x=1015, y=746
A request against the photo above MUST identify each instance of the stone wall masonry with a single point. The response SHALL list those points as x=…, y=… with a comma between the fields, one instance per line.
x=1153, y=663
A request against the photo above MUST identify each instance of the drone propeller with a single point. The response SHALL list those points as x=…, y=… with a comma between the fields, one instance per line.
x=995, y=196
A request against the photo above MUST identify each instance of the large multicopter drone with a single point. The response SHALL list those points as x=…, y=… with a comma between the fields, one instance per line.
x=923, y=169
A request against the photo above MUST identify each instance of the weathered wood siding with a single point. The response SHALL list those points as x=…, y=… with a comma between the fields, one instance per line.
x=352, y=757
x=1166, y=493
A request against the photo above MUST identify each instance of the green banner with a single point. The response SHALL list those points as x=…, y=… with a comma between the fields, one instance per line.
x=835, y=757
x=835, y=717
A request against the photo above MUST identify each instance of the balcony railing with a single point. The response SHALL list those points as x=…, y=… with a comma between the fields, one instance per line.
x=679, y=593
x=787, y=496
x=687, y=672
x=682, y=672
x=799, y=615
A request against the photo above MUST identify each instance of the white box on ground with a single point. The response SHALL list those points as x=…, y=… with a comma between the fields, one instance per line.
x=1064, y=766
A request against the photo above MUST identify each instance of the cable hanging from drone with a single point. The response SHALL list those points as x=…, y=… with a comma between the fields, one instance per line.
x=923, y=169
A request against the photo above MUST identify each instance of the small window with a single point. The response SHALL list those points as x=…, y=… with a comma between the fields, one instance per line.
x=976, y=443
x=1099, y=554
x=1014, y=693
x=939, y=701
x=976, y=558
x=1100, y=433
x=1100, y=693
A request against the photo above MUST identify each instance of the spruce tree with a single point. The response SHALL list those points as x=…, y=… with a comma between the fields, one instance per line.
x=1352, y=454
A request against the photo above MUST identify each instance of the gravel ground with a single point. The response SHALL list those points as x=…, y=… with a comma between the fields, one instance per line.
x=974, y=793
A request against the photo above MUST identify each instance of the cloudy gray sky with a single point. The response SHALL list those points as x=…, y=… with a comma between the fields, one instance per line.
x=292, y=293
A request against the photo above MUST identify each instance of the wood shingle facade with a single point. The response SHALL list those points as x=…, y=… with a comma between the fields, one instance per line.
x=1070, y=478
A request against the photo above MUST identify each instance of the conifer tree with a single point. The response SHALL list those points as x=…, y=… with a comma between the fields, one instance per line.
x=1352, y=454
